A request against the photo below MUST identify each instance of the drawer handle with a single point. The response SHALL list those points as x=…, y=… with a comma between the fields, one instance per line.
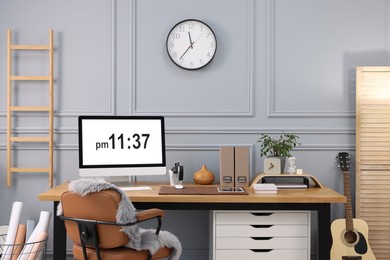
x=261, y=250
x=261, y=226
x=258, y=214
x=261, y=238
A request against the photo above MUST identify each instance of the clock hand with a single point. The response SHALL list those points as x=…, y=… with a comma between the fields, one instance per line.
x=198, y=38
x=189, y=35
x=186, y=51
x=271, y=165
x=191, y=45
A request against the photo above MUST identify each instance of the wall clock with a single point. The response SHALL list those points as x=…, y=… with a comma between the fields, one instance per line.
x=191, y=44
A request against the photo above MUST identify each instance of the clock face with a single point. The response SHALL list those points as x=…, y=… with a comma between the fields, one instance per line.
x=272, y=165
x=191, y=44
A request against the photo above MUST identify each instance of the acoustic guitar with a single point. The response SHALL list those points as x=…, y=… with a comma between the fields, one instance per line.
x=350, y=235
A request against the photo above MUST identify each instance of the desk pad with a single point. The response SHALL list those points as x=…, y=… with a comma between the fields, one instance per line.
x=196, y=190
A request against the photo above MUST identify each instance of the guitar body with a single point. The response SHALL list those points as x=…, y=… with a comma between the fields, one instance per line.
x=357, y=247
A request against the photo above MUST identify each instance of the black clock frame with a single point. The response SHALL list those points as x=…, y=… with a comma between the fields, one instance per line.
x=186, y=20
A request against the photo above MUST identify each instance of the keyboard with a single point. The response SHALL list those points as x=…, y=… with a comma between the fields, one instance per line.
x=135, y=188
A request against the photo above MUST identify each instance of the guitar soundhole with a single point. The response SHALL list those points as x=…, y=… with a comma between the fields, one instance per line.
x=350, y=237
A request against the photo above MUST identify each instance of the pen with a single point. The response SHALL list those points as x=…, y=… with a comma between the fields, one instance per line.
x=181, y=172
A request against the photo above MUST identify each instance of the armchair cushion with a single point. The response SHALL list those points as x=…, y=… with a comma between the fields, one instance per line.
x=139, y=238
x=120, y=253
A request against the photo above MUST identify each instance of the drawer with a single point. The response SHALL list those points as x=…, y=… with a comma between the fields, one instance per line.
x=263, y=255
x=265, y=218
x=261, y=243
x=262, y=231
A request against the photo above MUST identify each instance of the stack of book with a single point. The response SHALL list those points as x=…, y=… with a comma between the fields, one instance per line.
x=264, y=188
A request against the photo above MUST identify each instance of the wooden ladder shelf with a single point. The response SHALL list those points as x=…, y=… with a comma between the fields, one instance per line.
x=12, y=109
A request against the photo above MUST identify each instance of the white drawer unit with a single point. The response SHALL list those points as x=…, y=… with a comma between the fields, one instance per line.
x=262, y=235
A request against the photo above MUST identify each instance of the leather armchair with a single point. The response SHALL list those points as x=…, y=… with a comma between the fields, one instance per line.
x=90, y=223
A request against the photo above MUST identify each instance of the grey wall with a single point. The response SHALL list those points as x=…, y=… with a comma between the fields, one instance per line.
x=280, y=66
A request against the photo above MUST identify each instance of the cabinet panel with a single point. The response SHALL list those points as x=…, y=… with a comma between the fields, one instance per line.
x=267, y=255
x=262, y=218
x=261, y=243
x=262, y=230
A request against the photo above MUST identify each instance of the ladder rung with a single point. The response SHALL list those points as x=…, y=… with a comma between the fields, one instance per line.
x=30, y=139
x=26, y=108
x=29, y=78
x=29, y=47
x=29, y=169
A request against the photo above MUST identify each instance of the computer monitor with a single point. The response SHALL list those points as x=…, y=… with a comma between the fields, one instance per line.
x=112, y=146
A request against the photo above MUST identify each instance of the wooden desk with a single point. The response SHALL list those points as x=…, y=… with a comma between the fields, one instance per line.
x=315, y=199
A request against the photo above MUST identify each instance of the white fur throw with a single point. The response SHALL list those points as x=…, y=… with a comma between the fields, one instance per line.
x=140, y=238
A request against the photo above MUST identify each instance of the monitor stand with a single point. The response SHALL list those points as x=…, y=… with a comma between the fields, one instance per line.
x=127, y=183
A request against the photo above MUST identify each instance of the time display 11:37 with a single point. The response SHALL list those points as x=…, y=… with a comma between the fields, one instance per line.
x=136, y=141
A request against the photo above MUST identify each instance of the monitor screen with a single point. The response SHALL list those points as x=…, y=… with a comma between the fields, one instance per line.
x=121, y=146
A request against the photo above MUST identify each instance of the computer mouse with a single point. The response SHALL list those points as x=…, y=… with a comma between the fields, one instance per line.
x=178, y=186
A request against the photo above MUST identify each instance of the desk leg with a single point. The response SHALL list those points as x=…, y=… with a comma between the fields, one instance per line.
x=324, y=239
x=59, y=236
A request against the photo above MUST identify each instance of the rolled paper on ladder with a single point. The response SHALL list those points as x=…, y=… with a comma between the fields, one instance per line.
x=14, y=219
x=37, y=247
x=19, y=241
x=42, y=226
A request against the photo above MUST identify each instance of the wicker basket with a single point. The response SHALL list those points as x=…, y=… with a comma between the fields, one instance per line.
x=36, y=250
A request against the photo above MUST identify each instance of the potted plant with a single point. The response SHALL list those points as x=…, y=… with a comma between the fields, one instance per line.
x=278, y=146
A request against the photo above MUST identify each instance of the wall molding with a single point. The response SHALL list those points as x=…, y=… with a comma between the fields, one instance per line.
x=247, y=131
x=199, y=147
x=111, y=72
x=249, y=112
x=272, y=111
x=198, y=130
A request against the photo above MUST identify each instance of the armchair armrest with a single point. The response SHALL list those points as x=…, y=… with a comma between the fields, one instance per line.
x=149, y=214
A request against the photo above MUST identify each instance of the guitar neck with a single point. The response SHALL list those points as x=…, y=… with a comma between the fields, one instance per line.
x=348, y=205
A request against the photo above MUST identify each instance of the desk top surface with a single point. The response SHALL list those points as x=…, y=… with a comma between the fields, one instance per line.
x=312, y=195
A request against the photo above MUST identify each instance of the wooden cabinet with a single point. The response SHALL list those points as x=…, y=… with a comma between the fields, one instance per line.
x=260, y=235
x=373, y=155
